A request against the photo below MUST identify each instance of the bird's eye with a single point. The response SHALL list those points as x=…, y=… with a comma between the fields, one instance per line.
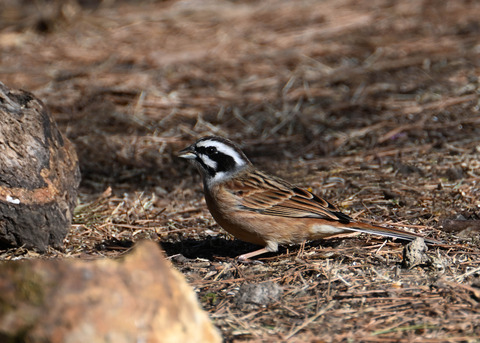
x=211, y=150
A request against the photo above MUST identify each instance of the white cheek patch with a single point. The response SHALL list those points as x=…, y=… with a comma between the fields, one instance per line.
x=224, y=149
x=208, y=161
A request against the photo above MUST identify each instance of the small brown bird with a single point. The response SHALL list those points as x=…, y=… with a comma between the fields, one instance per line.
x=265, y=210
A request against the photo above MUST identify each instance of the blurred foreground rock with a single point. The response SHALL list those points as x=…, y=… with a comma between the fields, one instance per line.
x=39, y=174
x=139, y=298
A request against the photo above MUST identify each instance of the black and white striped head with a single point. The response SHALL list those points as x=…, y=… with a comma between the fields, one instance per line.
x=217, y=158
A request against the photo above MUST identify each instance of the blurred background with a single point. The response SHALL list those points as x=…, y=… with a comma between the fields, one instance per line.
x=372, y=104
x=366, y=98
x=303, y=79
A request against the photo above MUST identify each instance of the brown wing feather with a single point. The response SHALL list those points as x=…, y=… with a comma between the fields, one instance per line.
x=269, y=195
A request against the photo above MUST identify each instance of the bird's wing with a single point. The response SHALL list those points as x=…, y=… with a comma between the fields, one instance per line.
x=268, y=195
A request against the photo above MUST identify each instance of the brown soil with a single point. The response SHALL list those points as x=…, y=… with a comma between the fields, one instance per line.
x=373, y=104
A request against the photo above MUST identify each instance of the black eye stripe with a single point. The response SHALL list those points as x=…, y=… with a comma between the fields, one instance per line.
x=225, y=163
x=209, y=150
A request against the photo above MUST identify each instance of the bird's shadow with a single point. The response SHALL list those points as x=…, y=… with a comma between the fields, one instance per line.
x=216, y=247
x=209, y=248
x=213, y=248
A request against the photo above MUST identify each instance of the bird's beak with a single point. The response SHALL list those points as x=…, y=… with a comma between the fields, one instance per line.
x=188, y=153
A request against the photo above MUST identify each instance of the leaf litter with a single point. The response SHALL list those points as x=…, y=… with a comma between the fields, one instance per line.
x=372, y=104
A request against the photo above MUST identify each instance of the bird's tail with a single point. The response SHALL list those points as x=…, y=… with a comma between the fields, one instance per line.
x=388, y=232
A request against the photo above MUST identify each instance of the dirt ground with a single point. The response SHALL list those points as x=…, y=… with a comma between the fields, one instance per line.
x=374, y=105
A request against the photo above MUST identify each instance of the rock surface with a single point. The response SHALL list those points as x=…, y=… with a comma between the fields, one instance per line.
x=415, y=254
x=39, y=174
x=252, y=296
x=139, y=298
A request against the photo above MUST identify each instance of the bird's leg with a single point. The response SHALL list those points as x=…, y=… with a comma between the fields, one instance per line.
x=246, y=257
x=271, y=246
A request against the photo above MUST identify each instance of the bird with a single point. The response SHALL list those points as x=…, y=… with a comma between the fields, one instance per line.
x=266, y=210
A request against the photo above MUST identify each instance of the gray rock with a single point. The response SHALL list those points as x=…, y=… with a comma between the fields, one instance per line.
x=251, y=296
x=414, y=254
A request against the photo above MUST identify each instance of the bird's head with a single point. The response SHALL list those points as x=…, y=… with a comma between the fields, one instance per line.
x=217, y=158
